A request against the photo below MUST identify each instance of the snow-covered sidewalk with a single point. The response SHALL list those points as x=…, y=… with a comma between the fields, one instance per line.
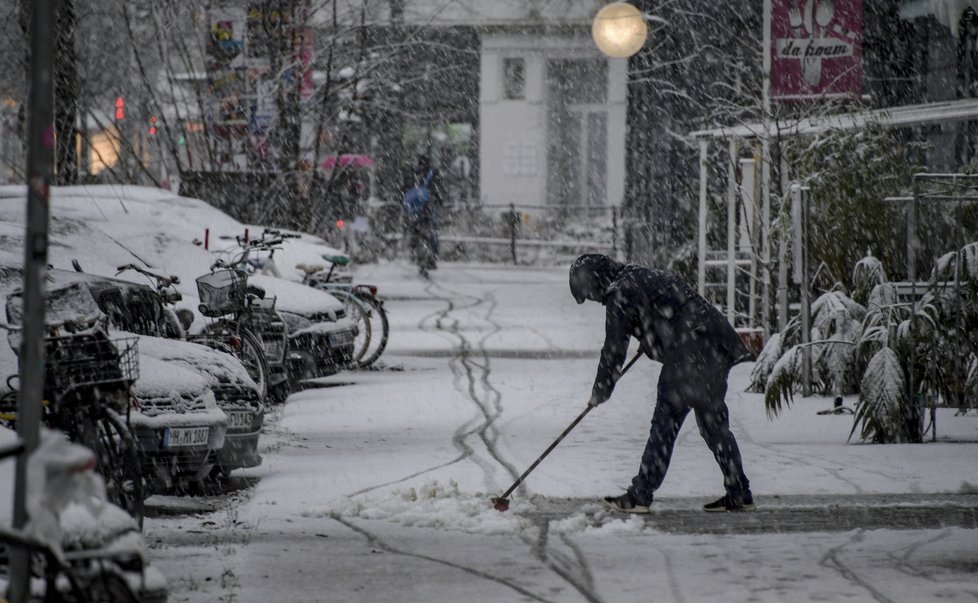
x=377, y=487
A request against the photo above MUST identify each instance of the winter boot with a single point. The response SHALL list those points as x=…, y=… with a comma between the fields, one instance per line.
x=625, y=504
x=726, y=503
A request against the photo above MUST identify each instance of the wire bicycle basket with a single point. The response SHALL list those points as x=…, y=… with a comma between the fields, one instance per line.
x=86, y=360
x=222, y=292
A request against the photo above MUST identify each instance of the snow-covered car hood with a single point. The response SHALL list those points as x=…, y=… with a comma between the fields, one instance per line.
x=297, y=298
x=218, y=368
x=165, y=387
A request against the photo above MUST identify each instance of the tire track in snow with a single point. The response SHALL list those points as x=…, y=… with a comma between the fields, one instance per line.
x=374, y=541
x=575, y=571
x=462, y=367
x=903, y=564
x=831, y=561
x=743, y=435
x=476, y=375
x=471, y=375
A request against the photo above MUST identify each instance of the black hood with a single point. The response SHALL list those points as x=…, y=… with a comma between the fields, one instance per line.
x=591, y=275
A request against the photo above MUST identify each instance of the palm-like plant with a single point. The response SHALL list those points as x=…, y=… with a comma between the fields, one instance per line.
x=778, y=372
x=896, y=355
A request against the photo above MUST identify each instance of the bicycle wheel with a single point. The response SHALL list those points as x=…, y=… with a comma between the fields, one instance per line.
x=251, y=352
x=359, y=313
x=117, y=460
x=103, y=583
x=379, y=330
x=248, y=350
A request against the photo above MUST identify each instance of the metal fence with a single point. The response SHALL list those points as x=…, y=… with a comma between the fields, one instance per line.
x=514, y=233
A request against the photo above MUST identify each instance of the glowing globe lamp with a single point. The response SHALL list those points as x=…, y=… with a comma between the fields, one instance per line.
x=619, y=30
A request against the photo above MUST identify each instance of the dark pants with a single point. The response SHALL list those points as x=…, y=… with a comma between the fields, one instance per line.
x=699, y=386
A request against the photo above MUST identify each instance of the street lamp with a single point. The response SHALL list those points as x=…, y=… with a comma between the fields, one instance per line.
x=619, y=30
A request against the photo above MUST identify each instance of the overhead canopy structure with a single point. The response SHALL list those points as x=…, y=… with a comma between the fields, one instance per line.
x=759, y=255
x=896, y=117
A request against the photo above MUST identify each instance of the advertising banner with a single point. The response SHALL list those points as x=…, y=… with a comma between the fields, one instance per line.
x=816, y=49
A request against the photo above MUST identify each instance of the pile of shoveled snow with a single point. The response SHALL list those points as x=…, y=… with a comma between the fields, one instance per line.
x=444, y=506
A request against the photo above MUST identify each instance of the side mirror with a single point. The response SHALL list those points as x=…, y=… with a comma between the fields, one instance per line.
x=186, y=318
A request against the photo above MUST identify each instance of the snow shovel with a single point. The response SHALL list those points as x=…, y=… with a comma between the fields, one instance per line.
x=501, y=503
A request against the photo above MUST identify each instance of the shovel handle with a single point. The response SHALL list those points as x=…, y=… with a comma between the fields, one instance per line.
x=564, y=434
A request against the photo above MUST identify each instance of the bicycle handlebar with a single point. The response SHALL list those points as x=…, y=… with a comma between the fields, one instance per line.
x=161, y=281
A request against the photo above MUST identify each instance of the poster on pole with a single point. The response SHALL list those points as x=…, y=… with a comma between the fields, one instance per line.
x=816, y=49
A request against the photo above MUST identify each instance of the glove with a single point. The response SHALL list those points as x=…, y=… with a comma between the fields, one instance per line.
x=593, y=402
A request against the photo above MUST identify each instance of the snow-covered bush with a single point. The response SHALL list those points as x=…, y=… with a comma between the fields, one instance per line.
x=850, y=173
x=894, y=353
x=867, y=273
x=836, y=321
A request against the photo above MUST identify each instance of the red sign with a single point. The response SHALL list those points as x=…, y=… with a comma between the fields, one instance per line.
x=816, y=48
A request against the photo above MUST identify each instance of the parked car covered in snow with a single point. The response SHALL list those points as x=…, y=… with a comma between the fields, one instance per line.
x=138, y=309
x=177, y=423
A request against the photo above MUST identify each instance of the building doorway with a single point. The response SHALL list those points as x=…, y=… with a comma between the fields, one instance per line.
x=577, y=126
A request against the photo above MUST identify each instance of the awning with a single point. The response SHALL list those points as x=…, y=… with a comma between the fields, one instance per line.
x=892, y=117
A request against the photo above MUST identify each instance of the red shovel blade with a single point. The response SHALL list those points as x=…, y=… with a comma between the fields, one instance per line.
x=500, y=504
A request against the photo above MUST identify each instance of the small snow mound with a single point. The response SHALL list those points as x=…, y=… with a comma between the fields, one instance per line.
x=433, y=505
x=598, y=522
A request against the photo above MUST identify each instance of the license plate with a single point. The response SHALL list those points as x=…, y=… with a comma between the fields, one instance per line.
x=274, y=349
x=185, y=436
x=238, y=419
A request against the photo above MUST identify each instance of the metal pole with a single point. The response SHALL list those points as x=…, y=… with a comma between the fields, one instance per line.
x=512, y=231
x=614, y=232
x=783, y=259
x=766, y=175
x=806, y=335
x=704, y=176
x=40, y=173
x=732, y=233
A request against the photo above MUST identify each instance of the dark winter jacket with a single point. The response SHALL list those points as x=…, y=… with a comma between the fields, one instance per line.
x=672, y=323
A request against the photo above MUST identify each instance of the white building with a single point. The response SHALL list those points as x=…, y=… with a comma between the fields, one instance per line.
x=552, y=107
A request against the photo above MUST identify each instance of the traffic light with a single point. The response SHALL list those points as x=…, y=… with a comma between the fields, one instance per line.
x=152, y=126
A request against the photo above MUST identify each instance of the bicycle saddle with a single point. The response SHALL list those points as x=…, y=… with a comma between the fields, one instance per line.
x=310, y=269
x=339, y=260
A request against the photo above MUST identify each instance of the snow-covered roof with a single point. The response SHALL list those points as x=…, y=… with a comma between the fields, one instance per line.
x=894, y=117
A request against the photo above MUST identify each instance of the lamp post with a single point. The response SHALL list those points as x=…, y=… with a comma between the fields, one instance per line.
x=619, y=30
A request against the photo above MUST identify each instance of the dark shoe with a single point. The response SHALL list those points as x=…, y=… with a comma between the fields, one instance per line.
x=624, y=504
x=726, y=503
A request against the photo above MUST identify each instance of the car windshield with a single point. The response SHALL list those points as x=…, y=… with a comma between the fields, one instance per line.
x=69, y=304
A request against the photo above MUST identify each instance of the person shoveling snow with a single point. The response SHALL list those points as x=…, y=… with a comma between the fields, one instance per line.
x=697, y=347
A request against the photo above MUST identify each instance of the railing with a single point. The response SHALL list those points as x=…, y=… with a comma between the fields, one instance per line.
x=528, y=233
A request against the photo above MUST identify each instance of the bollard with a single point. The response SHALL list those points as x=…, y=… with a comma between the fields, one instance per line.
x=513, y=221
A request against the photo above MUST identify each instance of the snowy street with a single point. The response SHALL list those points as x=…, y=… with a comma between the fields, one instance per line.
x=376, y=486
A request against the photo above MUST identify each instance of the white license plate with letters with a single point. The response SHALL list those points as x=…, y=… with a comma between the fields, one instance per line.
x=174, y=437
x=238, y=419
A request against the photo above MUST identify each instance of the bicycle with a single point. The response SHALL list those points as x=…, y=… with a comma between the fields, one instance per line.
x=223, y=293
x=356, y=306
x=86, y=390
x=362, y=295
x=115, y=572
